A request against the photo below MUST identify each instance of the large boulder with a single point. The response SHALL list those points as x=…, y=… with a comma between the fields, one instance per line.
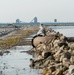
x=39, y=39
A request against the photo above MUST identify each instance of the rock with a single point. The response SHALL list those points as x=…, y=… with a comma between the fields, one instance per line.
x=67, y=55
x=72, y=46
x=58, y=52
x=61, y=58
x=46, y=63
x=72, y=59
x=59, y=66
x=66, y=62
x=59, y=72
x=52, y=68
x=56, y=43
x=41, y=47
x=36, y=54
x=6, y=51
x=56, y=56
x=44, y=71
x=71, y=70
x=39, y=57
x=39, y=39
x=64, y=68
x=32, y=63
x=63, y=38
x=64, y=56
x=46, y=54
x=1, y=53
x=62, y=43
x=66, y=47
x=51, y=58
x=48, y=71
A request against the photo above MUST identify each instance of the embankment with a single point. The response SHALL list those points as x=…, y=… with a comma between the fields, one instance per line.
x=54, y=56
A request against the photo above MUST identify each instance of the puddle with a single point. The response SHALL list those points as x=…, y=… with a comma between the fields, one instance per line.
x=17, y=63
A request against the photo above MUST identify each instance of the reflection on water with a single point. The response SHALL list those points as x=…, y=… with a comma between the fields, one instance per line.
x=65, y=30
x=17, y=63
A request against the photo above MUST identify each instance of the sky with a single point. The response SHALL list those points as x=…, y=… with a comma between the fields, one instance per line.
x=44, y=10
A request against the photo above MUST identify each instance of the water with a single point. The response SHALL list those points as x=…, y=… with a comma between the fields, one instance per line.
x=17, y=62
x=65, y=30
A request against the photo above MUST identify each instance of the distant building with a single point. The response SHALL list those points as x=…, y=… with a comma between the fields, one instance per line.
x=35, y=19
x=18, y=21
x=55, y=20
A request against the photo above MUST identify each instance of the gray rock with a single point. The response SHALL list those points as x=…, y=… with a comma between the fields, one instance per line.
x=62, y=43
x=71, y=70
x=67, y=55
x=1, y=53
x=46, y=54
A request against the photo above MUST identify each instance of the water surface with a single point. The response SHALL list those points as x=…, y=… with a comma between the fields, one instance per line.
x=16, y=62
x=65, y=30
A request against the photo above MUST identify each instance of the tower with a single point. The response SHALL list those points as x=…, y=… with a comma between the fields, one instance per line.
x=35, y=19
x=55, y=20
x=17, y=20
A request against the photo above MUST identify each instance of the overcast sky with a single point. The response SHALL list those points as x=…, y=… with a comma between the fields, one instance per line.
x=44, y=10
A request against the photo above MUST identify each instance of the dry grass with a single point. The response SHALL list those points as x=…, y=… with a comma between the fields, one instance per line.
x=15, y=39
x=9, y=42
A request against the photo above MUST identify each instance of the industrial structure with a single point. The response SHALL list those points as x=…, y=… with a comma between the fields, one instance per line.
x=18, y=21
x=55, y=20
x=34, y=21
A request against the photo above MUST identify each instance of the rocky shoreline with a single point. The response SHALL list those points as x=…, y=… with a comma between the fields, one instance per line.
x=54, y=56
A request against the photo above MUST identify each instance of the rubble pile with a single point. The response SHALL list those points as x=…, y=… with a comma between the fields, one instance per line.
x=54, y=56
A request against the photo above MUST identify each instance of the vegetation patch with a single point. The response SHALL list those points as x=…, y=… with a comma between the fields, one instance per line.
x=15, y=39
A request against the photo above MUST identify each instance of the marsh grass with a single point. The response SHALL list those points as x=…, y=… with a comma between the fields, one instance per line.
x=15, y=39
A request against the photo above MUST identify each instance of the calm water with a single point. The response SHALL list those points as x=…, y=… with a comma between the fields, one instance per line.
x=16, y=62
x=65, y=30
